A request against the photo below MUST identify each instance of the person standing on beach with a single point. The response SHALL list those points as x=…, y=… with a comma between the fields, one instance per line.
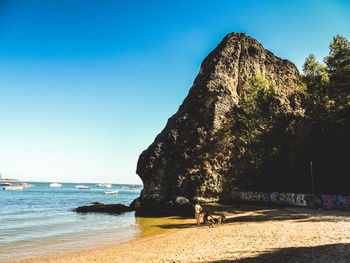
x=197, y=212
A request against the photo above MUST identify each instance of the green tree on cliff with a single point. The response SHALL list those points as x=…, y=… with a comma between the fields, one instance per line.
x=315, y=76
x=316, y=81
x=277, y=134
x=327, y=103
x=329, y=84
x=261, y=126
x=338, y=63
x=258, y=107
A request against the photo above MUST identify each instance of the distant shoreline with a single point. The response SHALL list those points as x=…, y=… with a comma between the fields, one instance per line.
x=8, y=180
x=33, y=181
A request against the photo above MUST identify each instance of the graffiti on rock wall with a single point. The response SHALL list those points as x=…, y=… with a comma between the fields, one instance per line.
x=327, y=201
x=335, y=202
x=296, y=199
x=346, y=202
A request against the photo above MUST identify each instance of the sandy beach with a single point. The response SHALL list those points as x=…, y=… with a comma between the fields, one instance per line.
x=251, y=234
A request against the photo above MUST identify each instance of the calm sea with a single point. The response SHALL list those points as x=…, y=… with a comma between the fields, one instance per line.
x=40, y=221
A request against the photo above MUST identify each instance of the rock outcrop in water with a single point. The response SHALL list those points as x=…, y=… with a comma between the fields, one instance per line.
x=96, y=207
x=184, y=159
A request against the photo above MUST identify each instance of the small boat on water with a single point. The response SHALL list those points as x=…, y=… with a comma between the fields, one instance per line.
x=55, y=185
x=82, y=187
x=110, y=192
x=13, y=188
x=131, y=187
x=25, y=185
x=104, y=185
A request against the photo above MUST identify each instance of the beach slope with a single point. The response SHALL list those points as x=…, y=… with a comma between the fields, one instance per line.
x=251, y=234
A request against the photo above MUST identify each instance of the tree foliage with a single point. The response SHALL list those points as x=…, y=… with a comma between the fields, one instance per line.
x=258, y=106
x=338, y=63
x=315, y=77
x=328, y=86
x=261, y=127
x=274, y=144
x=327, y=101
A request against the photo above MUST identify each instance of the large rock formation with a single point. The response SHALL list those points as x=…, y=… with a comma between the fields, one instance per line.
x=185, y=159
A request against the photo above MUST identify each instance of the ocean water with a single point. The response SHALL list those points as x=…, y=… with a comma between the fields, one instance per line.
x=40, y=221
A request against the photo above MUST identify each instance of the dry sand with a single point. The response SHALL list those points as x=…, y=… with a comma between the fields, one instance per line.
x=252, y=234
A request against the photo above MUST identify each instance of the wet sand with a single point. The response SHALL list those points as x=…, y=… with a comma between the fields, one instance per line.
x=252, y=234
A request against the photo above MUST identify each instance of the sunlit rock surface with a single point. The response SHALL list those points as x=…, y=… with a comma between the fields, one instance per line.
x=184, y=159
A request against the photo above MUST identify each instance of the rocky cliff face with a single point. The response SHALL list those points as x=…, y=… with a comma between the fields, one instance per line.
x=189, y=157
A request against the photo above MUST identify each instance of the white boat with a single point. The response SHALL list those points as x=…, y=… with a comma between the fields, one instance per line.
x=13, y=188
x=110, y=192
x=25, y=185
x=55, y=185
x=104, y=185
x=82, y=187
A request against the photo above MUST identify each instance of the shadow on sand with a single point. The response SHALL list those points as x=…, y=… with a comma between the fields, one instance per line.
x=248, y=213
x=335, y=253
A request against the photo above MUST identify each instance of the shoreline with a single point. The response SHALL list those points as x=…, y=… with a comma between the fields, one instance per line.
x=147, y=227
x=251, y=234
x=40, y=221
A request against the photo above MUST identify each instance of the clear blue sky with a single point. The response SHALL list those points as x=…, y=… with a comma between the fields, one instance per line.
x=85, y=86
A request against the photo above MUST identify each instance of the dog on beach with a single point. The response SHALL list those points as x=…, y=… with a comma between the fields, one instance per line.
x=220, y=220
x=208, y=219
